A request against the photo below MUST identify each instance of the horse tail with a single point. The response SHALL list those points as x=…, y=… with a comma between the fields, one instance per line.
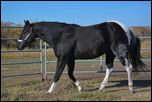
x=134, y=52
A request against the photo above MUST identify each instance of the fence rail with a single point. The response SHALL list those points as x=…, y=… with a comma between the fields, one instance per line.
x=31, y=62
x=11, y=26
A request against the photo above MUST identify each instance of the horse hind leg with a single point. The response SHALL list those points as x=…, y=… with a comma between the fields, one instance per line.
x=106, y=78
x=123, y=57
x=129, y=69
x=109, y=63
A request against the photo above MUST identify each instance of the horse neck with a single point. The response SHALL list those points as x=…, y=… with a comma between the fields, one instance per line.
x=48, y=35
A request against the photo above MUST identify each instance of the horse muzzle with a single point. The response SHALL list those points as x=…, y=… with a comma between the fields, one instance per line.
x=20, y=44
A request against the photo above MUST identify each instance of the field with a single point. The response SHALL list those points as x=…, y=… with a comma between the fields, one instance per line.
x=31, y=88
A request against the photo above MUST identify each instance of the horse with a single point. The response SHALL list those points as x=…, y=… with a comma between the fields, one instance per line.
x=72, y=41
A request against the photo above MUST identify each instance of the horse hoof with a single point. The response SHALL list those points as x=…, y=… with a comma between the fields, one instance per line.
x=80, y=90
x=47, y=94
x=100, y=90
x=131, y=91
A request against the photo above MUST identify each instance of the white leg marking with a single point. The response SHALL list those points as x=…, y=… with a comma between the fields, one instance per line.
x=78, y=86
x=129, y=69
x=108, y=72
x=51, y=88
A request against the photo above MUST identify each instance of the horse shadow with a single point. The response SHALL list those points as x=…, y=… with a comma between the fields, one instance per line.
x=137, y=83
x=90, y=90
x=122, y=83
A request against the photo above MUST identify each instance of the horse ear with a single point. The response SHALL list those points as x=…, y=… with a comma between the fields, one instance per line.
x=27, y=22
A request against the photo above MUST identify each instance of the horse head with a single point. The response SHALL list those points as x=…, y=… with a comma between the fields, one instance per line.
x=27, y=36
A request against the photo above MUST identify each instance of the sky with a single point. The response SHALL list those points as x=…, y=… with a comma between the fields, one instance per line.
x=131, y=13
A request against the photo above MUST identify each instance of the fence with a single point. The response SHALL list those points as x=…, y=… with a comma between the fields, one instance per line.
x=101, y=61
x=29, y=62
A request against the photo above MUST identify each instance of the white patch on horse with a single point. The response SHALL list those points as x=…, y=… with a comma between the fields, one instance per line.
x=125, y=28
x=105, y=81
x=20, y=40
x=51, y=88
x=78, y=85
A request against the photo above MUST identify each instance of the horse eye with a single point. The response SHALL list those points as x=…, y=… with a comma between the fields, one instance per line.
x=24, y=32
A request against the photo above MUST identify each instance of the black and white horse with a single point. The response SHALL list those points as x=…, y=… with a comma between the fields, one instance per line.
x=71, y=42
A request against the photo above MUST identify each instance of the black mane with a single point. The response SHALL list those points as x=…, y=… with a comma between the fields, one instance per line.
x=57, y=23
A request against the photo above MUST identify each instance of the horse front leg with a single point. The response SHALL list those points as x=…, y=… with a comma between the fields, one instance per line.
x=71, y=76
x=60, y=67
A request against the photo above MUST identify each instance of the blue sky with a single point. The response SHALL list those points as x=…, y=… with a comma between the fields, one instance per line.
x=131, y=13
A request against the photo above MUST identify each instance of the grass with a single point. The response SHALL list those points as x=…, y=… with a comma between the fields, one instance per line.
x=33, y=89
